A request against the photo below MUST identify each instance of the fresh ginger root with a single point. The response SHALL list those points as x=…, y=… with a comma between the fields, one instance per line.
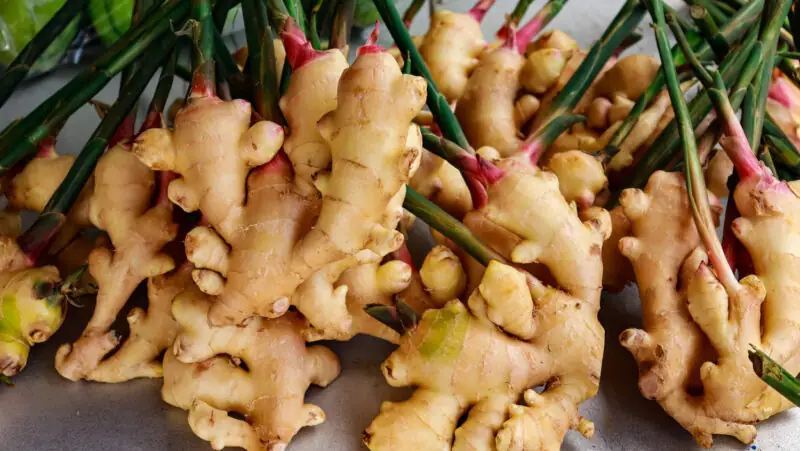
x=687, y=324
x=282, y=227
x=442, y=183
x=151, y=331
x=31, y=307
x=33, y=186
x=507, y=88
x=120, y=205
x=202, y=375
x=460, y=361
x=558, y=315
x=451, y=48
x=311, y=95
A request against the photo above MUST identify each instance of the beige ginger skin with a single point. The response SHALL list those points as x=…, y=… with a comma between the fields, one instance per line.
x=311, y=95
x=531, y=328
x=151, y=331
x=696, y=336
x=121, y=206
x=532, y=311
x=282, y=227
x=451, y=48
x=202, y=375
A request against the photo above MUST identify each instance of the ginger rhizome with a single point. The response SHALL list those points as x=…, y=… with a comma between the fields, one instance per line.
x=202, y=374
x=531, y=329
x=283, y=226
x=32, y=297
x=693, y=349
x=505, y=90
x=31, y=305
x=121, y=204
x=451, y=48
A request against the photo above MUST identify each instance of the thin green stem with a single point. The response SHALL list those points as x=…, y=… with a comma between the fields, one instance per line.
x=518, y=13
x=22, y=138
x=295, y=9
x=790, y=55
x=662, y=151
x=541, y=19
x=36, y=239
x=313, y=30
x=781, y=146
x=775, y=13
x=412, y=11
x=342, y=24
x=203, y=78
x=262, y=65
x=220, y=13
x=700, y=72
x=450, y=227
x=732, y=31
x=437, y=103
x=709, y=29
x=623, y=24
x=226, y=66
x=775, y=376
x=19, y=68
x=695, y=180
x=766, y=157
x=155, y=112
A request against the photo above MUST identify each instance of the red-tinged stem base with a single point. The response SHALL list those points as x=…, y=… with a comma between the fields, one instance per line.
x=533, y=151
x=202, y=85
x=371, y=46
x=404, y=255
x=154, y=119
x=526, y=34
x=479, y=173
x=36, y=239
x=47, y=148
x=279, y=164
x=299, y=50
x=124, y=132
x=780, y=92
x=478, y=12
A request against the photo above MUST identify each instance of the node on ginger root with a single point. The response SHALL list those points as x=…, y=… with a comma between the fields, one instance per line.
x=121, y=204
x=514, y=334
x=202, y=375
x=281, y=225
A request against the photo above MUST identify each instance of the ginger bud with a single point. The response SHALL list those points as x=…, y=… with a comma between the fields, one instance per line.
x=630, y=77
x=598, y=114
x=542, y=69
x=553, y=39
x=580, y=176
x=443, y=275
x=620, y=109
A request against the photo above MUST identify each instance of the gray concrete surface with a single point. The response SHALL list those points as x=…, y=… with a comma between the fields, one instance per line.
x=45, y=412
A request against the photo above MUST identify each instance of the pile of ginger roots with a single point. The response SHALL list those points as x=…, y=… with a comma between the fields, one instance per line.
x=255, y=240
